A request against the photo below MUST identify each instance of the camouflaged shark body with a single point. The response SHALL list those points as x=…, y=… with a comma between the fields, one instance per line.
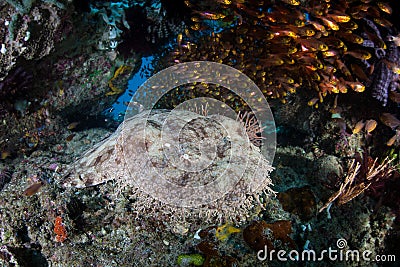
x=205, y=162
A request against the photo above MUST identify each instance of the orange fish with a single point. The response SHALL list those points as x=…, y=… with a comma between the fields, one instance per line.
x=286, y=33
x=375, y=38
x=272, y=60
x=349, y=26
x=313, y=101
x=5, y=154
x=389, y=120
x=312, y=44
x=370, y=125
x=359, y=72
x=330, y=53
x=292, y=2
x=330, y=23
x=383, y=22
x=351, y=37
x=303, y=31
x=328, y=87
x=318, y=27
x=211, y=16
x=179, y=39
x=333, y=41
x=342, y=18
x=69, y=137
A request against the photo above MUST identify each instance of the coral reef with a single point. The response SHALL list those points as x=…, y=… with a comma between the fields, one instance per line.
x=95, y=219
x=30, y=30
x=327, y=47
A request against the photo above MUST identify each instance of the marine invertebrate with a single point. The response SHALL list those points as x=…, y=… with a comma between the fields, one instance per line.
x=252, y=126
x=24, y=6
x=182, y=175
x=223, y=232
x=386, y=192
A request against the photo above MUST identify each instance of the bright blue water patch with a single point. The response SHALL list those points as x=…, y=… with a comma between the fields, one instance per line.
x=307, y=16
x=118, y=109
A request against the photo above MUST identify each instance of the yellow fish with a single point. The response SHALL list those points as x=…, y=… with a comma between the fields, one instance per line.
x=358, y=127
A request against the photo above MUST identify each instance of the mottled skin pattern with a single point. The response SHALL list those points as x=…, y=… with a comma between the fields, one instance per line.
x=179, y=172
